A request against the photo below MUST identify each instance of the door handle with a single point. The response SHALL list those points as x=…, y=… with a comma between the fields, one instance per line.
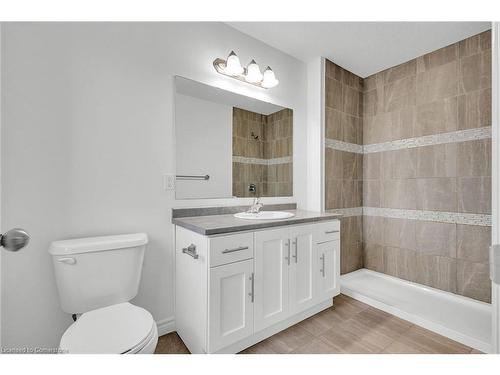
x=191, y=251
x=296, y=250
x=322, y=270
x=14, y=239
x=287, y=258
x=252, y=288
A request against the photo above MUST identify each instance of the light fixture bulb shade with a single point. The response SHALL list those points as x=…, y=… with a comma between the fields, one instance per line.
x=233, y=65
x=269, y=79
x=253, y=73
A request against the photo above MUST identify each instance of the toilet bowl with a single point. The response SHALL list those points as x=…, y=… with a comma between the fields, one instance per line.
x=96, y=278
x=117, y=329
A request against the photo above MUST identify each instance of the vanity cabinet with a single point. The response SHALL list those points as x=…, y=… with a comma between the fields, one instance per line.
x=272, y=258
x=234, y=290
x=230, y=302
x=328, y=277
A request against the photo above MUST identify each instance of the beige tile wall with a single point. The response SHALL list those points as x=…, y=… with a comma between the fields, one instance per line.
x=274, y=140
x=344, y=170
x=446, y=90
x=443, y=91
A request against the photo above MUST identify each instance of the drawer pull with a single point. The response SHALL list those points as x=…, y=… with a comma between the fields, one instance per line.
x=191, y=251
x=235, y=249
x=331, y=231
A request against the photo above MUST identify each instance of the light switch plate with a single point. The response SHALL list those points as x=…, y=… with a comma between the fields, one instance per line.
x=169, y=182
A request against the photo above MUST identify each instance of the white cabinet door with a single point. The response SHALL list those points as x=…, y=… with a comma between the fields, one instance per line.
x=272, y=260
x=303, y=263
x=230, y=304
x=328, y=270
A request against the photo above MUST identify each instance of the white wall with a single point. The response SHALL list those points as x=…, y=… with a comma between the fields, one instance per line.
x=204, y=146
x=315, y=133
x=87, y=133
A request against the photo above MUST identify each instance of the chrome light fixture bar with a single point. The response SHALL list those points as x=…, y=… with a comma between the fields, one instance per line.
x=231, y=67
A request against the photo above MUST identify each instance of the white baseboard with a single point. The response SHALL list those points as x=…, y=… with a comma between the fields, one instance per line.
x=165, y=326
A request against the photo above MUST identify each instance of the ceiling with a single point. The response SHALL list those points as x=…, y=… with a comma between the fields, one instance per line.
x=363, y=48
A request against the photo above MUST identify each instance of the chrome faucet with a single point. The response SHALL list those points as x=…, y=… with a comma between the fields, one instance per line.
x=255, y=207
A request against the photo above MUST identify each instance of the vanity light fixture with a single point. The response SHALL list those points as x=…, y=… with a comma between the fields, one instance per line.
x=233, y=65
x=269, y=79
x=251, y=74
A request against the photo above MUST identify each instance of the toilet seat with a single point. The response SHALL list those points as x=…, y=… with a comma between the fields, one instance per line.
x=121, y=328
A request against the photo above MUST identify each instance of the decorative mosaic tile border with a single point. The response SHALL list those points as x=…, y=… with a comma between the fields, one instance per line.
x=428, y=140
x=400, y=144
x=244, y=160
x=347, y=212
x=438, y=216
x=343, y=146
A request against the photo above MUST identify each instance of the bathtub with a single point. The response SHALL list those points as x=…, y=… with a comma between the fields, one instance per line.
x=459, y=318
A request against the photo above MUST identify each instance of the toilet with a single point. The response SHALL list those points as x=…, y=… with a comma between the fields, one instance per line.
x=96, y=278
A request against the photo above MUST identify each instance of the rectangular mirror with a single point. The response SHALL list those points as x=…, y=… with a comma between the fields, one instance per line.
x=230, y=145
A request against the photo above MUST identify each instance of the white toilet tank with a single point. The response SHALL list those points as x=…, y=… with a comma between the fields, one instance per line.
x=96, y=272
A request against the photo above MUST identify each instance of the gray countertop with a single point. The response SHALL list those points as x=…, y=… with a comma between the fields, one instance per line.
x=218, y=224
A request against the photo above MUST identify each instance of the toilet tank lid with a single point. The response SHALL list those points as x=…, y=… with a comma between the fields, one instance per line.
x=102, y=243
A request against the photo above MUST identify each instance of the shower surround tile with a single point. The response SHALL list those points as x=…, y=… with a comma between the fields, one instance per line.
x=473, y=280
x=344, y=159
x=426, y=165
x=473, y=243
x=262, y=153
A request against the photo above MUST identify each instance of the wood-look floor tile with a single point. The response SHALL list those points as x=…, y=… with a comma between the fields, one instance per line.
x=475, y=351
x=422, y=340
x=364, y=333
x=290, y=339
x=321, y=322
x=263, y=347
x=316, y=346
x=347, y=342
x=349, y=327
x=345, y=307
x=171, y=343
x=386, y=323
x=398, y=347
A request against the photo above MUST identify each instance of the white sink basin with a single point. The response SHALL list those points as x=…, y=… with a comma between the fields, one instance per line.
x=265, y=215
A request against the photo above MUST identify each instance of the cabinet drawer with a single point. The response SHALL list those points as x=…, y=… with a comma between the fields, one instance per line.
x=232, y=248
x=327, y=231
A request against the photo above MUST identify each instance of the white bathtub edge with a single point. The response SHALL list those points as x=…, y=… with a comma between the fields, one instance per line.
x=412, y=318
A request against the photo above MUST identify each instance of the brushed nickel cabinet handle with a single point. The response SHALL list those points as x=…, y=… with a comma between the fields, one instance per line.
x=287, y=244
x=191, y=251
x=331, y=231
x=252, y=288
x=322, y=270
x=235, y=249
x=296, y=250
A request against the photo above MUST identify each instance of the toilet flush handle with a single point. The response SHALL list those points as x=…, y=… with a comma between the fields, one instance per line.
x=67, y=260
